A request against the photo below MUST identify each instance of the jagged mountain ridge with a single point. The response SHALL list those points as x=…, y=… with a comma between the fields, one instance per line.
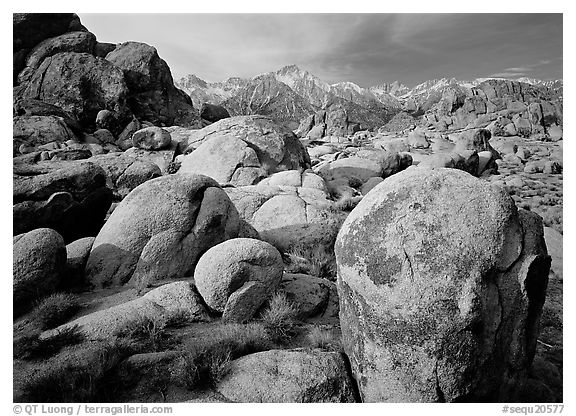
x=291, y=94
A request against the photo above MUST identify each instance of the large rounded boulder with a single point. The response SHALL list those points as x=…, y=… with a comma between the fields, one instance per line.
x=152, y=95
x=288, y=376
x=243, y=150
x=160, y=230
x=441, y=283
x=289, y=216
x=68, y=42
x=80, y=84
x=39, y=263
x=229, y=267
x=124, y=173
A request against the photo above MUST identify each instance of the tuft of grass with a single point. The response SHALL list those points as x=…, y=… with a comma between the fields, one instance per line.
x=279, y=318
x=178, y=320
x=56, y=310
x=316, y=261
x=149, y=333
x=207, y=361
x=347, y=202
x=173, y=167
x=31, y=347
x=322, y=338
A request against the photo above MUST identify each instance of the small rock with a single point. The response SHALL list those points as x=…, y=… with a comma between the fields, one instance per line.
x=151, y=138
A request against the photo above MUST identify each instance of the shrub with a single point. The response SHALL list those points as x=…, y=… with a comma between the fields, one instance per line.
x=149, y=332
x=348, y=203
x=173, y=167
x=317, y=261
x=279, y=318
x=207, y=360
x=322, y=338
x=31, y=347
x=55, y=310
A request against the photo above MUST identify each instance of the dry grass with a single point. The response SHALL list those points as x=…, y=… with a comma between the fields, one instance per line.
x=31, y=347
x=147, y=334
x=322, y=338
x=316, y=261
x=279, y=318
x=208, y=360
x=56, y=310
x=77, y=374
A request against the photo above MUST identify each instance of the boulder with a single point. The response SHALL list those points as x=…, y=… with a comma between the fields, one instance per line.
x=417, y=139
x=228, y=266
x=104, y=136
x=31, y=107
x=365, y=165
x=213, y=113
x=554, y=245
x=308, y=294
x=370, y=184
x=152, y=95
x=71, y=197
x=243, y=150
x=80, y=84
x=29, y=29
x=160, y=230
x=441, y=284
x=245, y=302
x=286, y=216
x=38, y=264
x=476, y=139
x=523, y=126
x=124, y=141
x=67, y=42
x=288, y=376
x=151, y=138
x=76, y=257
x=306, y=179
x=316, y=132
x=124, y=173
x=173, y=300
x=319, y=151
x=29, y=132
x=555, y=133
x=161, y=158
x=468, y=161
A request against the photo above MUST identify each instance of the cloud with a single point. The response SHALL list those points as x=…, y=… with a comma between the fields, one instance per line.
x=367, y=49
x=507, y=75
x=519, y=69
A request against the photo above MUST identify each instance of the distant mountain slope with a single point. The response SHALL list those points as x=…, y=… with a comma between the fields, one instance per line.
x=290, y=94
x=267, y=96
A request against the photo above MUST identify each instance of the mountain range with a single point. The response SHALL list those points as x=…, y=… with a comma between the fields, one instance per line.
x=290, y=94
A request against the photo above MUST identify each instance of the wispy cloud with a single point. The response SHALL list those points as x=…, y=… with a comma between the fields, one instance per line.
x=363, y=48
x=519, y=69
x=507, y=74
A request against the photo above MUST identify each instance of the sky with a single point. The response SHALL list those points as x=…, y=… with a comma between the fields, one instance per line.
x=367, y=49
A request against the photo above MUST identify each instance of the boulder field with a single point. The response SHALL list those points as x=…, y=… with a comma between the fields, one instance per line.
x=387, y=249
